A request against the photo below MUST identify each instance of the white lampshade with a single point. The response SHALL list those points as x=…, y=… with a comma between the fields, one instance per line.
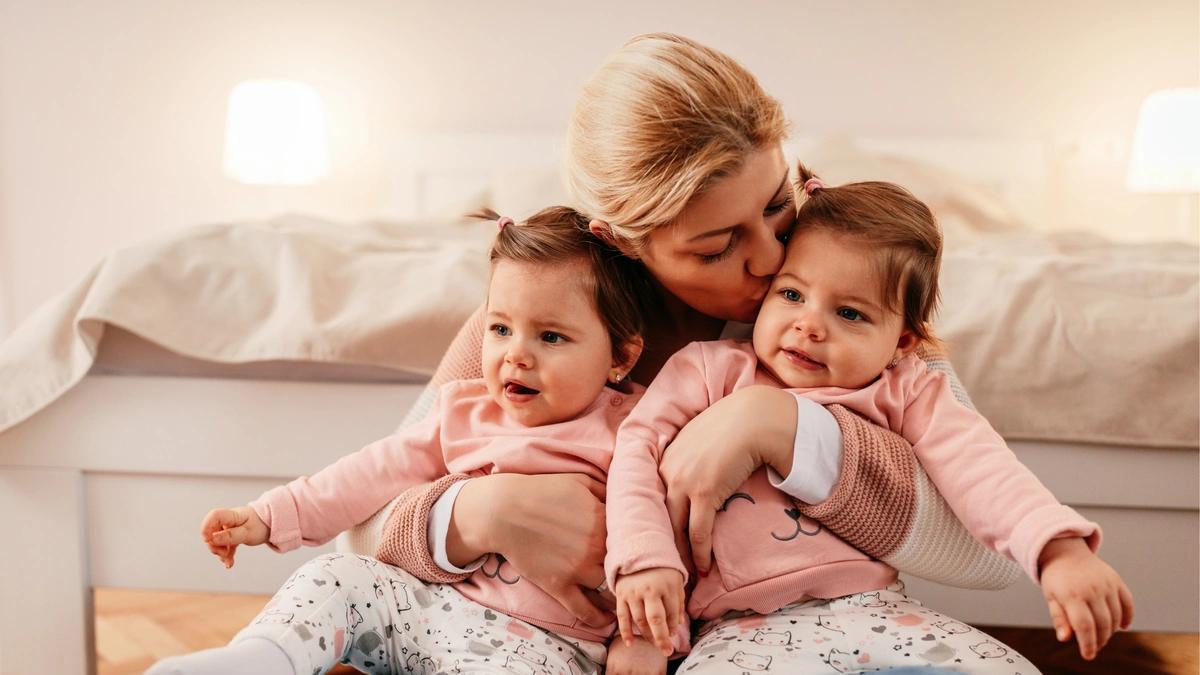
x=1166, y=145
x=276, y=134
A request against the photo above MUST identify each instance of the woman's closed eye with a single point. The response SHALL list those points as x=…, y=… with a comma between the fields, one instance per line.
x=723, y=253
x=778, y=206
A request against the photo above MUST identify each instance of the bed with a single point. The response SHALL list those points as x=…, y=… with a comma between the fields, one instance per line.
x=104, y=482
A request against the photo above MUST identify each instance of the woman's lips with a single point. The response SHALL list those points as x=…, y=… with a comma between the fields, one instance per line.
x=802, y=360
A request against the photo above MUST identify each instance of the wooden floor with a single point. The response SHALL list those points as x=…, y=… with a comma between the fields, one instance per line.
x=136, y=628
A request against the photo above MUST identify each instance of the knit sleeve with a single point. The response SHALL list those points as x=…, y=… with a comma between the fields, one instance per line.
x=885, y=505
x=405, y=540
x=462, y=361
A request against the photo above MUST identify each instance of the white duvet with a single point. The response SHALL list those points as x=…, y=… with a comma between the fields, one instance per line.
x=1068, y=338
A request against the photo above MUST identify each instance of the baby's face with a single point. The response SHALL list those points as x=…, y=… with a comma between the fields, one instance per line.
x=823, y=323
x=546, y=354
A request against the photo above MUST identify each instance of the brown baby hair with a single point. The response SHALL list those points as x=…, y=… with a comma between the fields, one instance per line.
x=900, y=230
x=619, y=286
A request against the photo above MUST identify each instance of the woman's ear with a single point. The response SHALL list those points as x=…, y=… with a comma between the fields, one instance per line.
x=630, y=353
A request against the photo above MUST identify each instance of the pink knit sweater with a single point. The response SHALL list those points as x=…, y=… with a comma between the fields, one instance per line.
x=883, y=503
x=766, y=554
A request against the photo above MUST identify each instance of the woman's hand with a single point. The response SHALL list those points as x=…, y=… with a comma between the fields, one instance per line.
x=225, y=529
x=549, y=527
x=716, y=452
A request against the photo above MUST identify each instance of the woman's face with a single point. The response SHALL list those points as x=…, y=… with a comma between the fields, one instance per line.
x=719, y=255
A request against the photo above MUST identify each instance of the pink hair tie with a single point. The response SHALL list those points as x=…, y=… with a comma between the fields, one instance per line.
x=502, y=221
x=812, y=185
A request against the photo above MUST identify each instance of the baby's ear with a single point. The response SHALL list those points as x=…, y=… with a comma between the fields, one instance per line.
x=908, y=341
x=631, y=351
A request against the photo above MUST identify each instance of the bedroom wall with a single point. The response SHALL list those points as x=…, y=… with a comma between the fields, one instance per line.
x=112, y=114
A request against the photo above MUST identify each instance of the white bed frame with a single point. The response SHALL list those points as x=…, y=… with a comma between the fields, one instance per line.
x=106, y=487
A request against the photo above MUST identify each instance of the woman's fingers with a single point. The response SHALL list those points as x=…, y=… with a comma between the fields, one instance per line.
x=577, y=603
x=599, y=490
x=700, y=524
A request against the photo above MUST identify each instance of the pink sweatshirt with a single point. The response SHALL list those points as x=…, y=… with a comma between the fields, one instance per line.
x=767, y=555
x=464, y=433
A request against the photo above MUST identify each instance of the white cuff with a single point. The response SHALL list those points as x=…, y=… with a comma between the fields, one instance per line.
x=816, y=454
x=439, y=529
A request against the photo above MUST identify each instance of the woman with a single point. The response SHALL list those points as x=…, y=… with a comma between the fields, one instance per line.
x=674, y=150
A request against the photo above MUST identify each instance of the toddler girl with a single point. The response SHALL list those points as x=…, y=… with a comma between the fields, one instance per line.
x=563, y=330
x=850, y=305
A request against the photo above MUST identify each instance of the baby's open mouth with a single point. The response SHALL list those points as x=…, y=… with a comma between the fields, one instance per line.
x=518, y=389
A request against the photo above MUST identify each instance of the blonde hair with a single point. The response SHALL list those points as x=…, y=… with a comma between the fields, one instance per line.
x=900, y=230
x=661, y=120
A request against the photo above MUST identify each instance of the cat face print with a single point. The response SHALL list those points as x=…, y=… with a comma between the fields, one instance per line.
x=989, y=650
x=751, y=661
x=768, y=638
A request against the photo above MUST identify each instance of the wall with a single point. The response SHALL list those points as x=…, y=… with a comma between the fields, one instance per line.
x=112, y=114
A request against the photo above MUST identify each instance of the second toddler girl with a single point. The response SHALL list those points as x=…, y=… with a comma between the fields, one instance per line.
x=850, y=305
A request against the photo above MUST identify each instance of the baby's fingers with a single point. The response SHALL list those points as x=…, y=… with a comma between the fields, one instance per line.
x=638, y=612
x=660, y=629
x=1062, y=627
x=625, y=622
x=1104, y=621
x=1126, y=606
x=219, y=519
x=233, y=536
x=1084, y=625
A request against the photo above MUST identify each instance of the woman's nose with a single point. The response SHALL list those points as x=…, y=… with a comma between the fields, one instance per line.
x=766, y=252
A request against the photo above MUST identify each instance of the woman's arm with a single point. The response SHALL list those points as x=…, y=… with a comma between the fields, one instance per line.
x=882, y=502
x=549, y=527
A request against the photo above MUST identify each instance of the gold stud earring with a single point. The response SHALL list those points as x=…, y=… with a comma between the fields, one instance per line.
x=893, y=363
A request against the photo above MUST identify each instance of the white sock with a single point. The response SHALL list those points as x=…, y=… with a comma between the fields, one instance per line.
x=253, y=655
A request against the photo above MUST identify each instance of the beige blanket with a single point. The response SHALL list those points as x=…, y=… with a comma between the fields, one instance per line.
x=1075, y=338
x=1066, y=338
x=292, y=289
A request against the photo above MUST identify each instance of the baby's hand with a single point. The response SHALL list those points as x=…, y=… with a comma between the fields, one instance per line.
x=640, y=658
x=1085, y=595
x=224, y=529
x=653, y=601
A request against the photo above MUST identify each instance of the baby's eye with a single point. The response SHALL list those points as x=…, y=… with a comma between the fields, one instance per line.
x=553, y=338
x=791, y=295
x=851, y=314
x=500, y=329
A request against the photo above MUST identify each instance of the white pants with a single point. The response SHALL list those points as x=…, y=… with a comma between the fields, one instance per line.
x=342, y=608
x=856, y=633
